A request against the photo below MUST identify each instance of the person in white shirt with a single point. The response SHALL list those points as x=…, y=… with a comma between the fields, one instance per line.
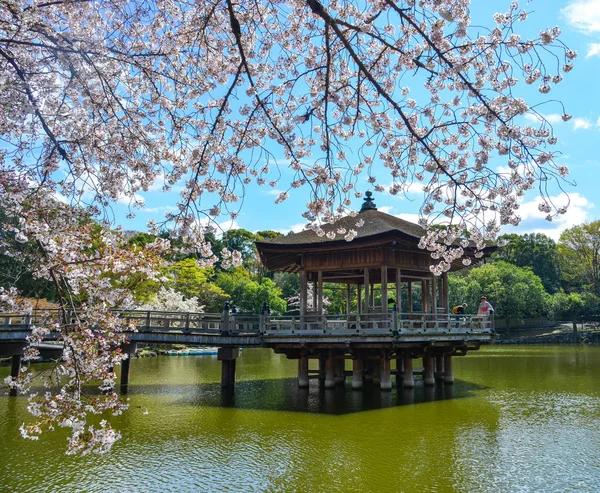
x=485, y=310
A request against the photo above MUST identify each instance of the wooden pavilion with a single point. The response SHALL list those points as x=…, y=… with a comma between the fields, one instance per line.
x=384, y=253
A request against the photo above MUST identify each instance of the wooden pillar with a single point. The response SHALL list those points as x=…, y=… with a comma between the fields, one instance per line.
x=448, y=375
x=434, y=303
x=399, y=370
x=367, y=289
x=330, y=372
x=228, y=357
x=439, y=367
x=424, y=297
x=322, y=368
x=376, y=371
x=428, y=378
x=384, y=288
x=320, y=293
x=398, y=290
x=409, y=379
x=410, y=300
x=15, y=370
x=348, y=305
x=372, y=302
x=357, y=373
x=358, y=298
x=386, y=374
x=303, y=295
x=126, y=370
x=446, y=292
x=340, y=371
x=368, y=369
x=303, y=372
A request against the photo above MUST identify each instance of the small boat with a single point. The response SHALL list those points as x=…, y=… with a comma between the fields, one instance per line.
x=200, y=351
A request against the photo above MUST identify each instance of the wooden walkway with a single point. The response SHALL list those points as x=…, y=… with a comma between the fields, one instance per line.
x=370, y=340
x=249, y=329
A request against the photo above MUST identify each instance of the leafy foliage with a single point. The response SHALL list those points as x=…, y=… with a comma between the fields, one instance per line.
x=535, y=250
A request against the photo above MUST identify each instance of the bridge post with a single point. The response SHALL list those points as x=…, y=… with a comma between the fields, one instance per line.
x=448, y=374
x=428, y=378
x=228, y=357
x=129, y=349
x=15, y=370
x=439, y=367
x=303, y=371
x=399, y=370
x=409, y=379
x=322, y=368
x=330, y=372
x=340, y=371
x=357, y=373
x=386, y=374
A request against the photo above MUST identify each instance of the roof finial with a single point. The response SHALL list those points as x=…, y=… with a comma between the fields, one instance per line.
x=368, y=204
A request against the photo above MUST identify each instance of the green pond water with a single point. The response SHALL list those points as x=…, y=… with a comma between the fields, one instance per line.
x=517, y=419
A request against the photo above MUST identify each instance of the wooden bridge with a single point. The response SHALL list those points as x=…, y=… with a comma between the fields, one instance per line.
x=370, y=340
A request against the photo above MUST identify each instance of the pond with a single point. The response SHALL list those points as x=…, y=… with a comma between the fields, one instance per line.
x=519, y=418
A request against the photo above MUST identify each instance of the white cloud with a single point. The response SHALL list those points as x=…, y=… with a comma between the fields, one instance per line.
x=412, y=218
x=550, y=118
x=554, y=118
x=593, y=50
x=583, y=15
x=273, y=191
x=295, y=228
x=577, y=213
x=385, y=208
x=581, y=123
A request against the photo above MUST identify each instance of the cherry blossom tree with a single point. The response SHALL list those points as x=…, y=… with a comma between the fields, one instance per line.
x=102, y=99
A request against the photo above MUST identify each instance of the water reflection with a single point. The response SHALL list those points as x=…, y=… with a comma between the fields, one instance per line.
x=283, y=394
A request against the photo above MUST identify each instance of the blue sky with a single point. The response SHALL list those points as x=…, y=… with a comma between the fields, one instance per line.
x=579, y=21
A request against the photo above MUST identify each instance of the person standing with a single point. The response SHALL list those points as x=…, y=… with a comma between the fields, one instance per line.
x=485, y=310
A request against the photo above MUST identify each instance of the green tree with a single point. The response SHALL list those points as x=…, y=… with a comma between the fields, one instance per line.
x=192, y=281
x=573, y=307
x=579, y=256
x=534, y=250
x=248, y=294
x=515, y=292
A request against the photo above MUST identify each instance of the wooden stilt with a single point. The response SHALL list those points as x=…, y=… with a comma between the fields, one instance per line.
x=330, y=373
x=439, y=368
x=303, y=372
x=340, y=369
x=399, y=370
x=386, y=374
x=322, y=370
x=428, y=378
x=409, y=379
x=376, y=370
x=357, y=373
x=125, y=370
x=448, y=375
x=15, y=370
x=228, y=357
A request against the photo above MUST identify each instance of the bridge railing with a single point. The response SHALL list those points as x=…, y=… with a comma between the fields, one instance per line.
x=231, y=323
x=377, y=322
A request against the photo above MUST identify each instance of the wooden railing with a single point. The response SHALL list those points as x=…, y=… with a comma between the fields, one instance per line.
x=230, y=324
